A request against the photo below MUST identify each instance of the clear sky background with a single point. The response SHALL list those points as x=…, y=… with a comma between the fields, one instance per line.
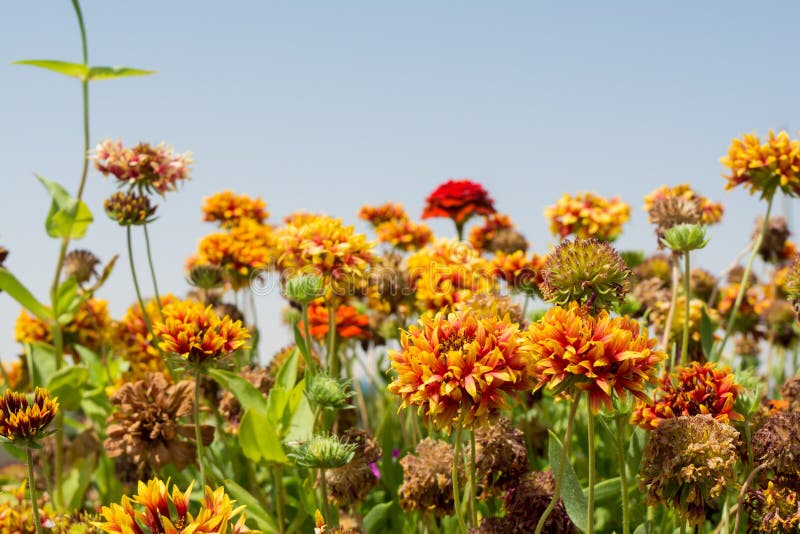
x=325, y=106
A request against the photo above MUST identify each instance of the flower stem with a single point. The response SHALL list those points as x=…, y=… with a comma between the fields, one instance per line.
x=592, y=469
x=152, y=270
x=672, y=303
x=745, y=277
x=307, y=337
x=473, y=490
x=686, y=288
x=197, y=434
x=277, y=486
x=334, y=365
x=145, y=317
x=562, y=462
x=32, y=487
x=623, y=478
x=456, y=463
x=325, y=509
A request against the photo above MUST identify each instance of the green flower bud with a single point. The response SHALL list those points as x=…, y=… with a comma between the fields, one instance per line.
x=327, y=392
x=205, y=276
x=322, y=452
x=686, y=237
x=304, y=288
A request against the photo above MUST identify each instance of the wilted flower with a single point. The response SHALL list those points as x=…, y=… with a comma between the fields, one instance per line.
x=458, y=200
x=526, y=502
x=81, y=264
x=228, y=209
x=22, y=421
x=129, y=208
x=702, y=284
x=322, y=452
x=764, y=167
x=776, y=445
x=587, y=215
x=688, y=464
x=501, y=456
x=773, y=509
x=588, y=272
x=457, y=366
x=194, y=332
x=693, y=390
x=146, y=425
x=711, y=212
x=597, y=354
x=790, y=391
x=670, y=211
x=650, y=294
x=350, y=483
x=775, y=237
x=428, y=478
x=152, y=169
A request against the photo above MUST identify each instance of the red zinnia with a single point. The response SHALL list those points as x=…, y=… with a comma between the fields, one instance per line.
x=458, y=200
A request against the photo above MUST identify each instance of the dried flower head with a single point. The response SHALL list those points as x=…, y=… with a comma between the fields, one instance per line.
x=146, y=424
x=129, y=208
x=650, y=294
x=711, y=212
x=482, y=237
x=790, y=391
x=456, y=367
x=228, y=209
x=526, y=502
x=152, y=169
x=670, y=211
x=774, y=242
x=501, y=457
x=427, y=478
x=196, y=333
x=458, y=200
x=587, y=215
x=322, y=451
x=776, y=445
x=23, y=421
x=693, y=390
x=586, y=271
x=702, y=284
x=688, y=464
x=81, y=264
x=598, y=354
x=350, y=483
x=773, y=509
x=764, y=167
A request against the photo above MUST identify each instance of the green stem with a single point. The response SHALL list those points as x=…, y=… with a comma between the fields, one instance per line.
x=307, y=337
x=325, y=509
x=32, y=487
x=746, y=277
x=456, y=463
x=334, y=366
x=145, y=317
x=473, y=490
x=277, y=486
x=197, y=434
x=152, y=269
x=685, y=342
x=592, y=469
x=672, y=303
x=562, y=462
x=460, y=231
x=683, y=526
x=623, y=478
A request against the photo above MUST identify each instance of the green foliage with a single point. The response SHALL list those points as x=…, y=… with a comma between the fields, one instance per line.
x=572, y=494
x=68, y=217
x=20, y=293
x=83, y=72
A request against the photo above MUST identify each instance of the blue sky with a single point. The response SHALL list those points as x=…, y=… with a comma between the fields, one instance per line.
x=326, y=106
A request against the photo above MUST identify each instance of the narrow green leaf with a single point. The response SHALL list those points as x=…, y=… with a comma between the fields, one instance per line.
x=67, y=217
x=575, y=500
x=67, y=384
x=109, y=73
x=633, y=458
x=254, y=510
x=74, y=70
x=246, y=393
x=20, y=293
x=376, y=519
x=706, y=333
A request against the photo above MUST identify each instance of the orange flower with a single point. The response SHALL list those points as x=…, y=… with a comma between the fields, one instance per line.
x=519, y=271
x=243, y=250
x=764, y=167
x=404, y=234
x=693, y=390
x=377, y=215
x=349, y=322
x=480, y=236
x=587, y=215
x=711, y=211
x=131, y=340
x=598, y=354
x=89, y=328
x=228, y=209
x=459, y=366
x=458, y=200
x=196, y=333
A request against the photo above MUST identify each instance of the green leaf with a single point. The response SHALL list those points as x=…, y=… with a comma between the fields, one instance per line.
x=68, y=218
x=68, y=300
x=42, y=360
x=706, y=333
x=109, y=73
x=633, y=458
x=575, y=500
x=287, y=376
x=254, y=510
x=246, y=393
x=20, y=293
x=607, y=491
x=259, y=439
x=276, y=403
x=77, y=481
x=302, y=421
x=67, y=384
x=644, y=528
x=376, y=519
x=74, y=70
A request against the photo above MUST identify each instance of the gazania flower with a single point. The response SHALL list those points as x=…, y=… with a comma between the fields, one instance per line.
x=497, y=234
x=23, y=421
x=522, y=273
x=598, y=354
x=404, y=234
x=764, y=167
x=349, y=322
x=377, y=215
x=228, y=209
x=146, y=426
x=458, y=200
x=240, y=251
x=711, y=212
x=587, y=215
x=693, y=390
x=456, y=367
x=195, y=333
x=155, y=509
x=152, y=169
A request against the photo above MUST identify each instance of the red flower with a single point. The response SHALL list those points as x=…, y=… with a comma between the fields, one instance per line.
x=458, y=200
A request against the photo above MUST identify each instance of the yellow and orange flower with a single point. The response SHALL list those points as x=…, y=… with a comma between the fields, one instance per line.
x=480, y=236
x=750, y=309
x=458, y=367
x=228, y=209
x=349, y=322
x=766, y=166
x=89, y=328
x=588, y=215
x=446, y=272
x=377, y=215
x=403, y=234
x=693, y=390
x=520, y=272
x=241, y=251
x=597, y=354
x=14, y=372
x=711, y=211
x=196, y=333
x=23, y=421
x=131, y=340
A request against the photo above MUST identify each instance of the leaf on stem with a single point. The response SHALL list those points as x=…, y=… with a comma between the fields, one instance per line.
x=68, y=218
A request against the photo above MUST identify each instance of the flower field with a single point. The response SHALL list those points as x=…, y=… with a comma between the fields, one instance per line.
x=437, y=383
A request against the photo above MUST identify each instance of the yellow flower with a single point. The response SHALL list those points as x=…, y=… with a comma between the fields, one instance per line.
x=764, y=167
x=587, y=215
x=131, y=340
x=458, y=366
x=241, y=251
x=404, y=234
x=228, y=209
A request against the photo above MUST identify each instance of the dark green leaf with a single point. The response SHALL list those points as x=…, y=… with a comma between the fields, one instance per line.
x=575, y=500
x=68, y=218
x=254, y=510
x=108, y=73
x=376, y=518
x=246, y=393
x=74, y=70
x=20, y=293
